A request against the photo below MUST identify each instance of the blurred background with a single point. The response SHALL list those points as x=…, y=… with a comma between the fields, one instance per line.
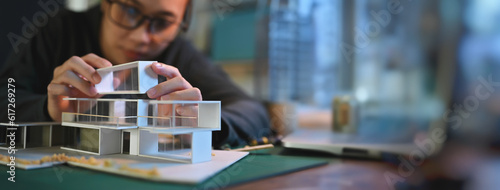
x=423, y=59
x=432, y=61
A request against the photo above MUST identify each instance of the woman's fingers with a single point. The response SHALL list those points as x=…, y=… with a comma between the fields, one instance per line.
x=96, y=61
x=116, y=82
x=70, y=78
x=60, y=89
x=169, y=86
x=193, y=94
x=165, y=70
x=187, y=110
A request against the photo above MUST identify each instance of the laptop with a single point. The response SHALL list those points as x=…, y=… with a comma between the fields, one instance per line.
x=387, y=134
x=369, y=145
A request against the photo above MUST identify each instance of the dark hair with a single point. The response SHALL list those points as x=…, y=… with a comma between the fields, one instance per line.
x=186, y=20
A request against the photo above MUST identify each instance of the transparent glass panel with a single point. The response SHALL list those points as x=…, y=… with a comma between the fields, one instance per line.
x=37, y=136
x=180, y=117
x=13, y=138
x=168, y=142
x=169, y=146
x=173, y=115
x=102, y=112
x=58, y=135
x=82, y=139
x=126, y=80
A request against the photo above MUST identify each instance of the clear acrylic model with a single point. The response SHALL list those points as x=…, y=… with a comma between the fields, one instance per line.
x=101, y=113
x=129, y=78
x=174, y=130
x=178, y=130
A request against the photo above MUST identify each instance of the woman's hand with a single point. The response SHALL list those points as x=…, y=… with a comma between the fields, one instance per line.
x=175, y=88
x=76, y=77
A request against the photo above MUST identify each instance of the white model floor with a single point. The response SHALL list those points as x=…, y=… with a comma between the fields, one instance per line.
x=169, y=171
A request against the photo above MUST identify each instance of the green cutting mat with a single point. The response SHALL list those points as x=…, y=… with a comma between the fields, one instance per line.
x=250, y=168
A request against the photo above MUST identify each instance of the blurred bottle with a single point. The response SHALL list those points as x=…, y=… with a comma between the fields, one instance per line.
x=345, y=114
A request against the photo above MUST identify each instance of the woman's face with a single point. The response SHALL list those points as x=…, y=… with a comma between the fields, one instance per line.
x=121, y=45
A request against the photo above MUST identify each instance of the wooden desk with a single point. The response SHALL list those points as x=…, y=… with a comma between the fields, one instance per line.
x=341, y=174
x=450, y=170
x=457, y=166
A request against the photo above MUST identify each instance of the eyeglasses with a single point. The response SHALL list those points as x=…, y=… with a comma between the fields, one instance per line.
x=129, y=17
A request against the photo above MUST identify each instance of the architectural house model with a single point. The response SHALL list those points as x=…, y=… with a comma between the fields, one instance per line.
x=173, y=130
x=30, y=135
x=187, y=138
x=130, y=135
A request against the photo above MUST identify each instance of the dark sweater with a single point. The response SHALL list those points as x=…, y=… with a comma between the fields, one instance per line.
x=70, y=33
